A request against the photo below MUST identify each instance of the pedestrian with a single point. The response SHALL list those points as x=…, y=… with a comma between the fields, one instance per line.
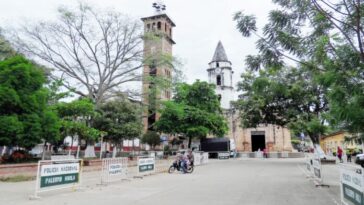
x=265, y=153
x=348, y=153
x=340, y=153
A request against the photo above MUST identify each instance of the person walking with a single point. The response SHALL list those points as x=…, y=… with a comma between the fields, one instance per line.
x=340, y=154
x=348, y=153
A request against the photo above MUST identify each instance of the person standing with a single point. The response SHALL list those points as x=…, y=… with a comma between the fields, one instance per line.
x=265, y=153
x=340, y=153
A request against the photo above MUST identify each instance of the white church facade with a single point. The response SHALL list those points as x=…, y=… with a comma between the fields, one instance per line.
x=274, y=138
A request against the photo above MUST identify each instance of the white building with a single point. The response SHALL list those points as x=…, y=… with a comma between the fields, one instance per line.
x=274, y=138
x=221, y=74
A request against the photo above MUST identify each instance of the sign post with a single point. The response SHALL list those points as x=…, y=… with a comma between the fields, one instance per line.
x=351, y=185
x=146, y=165
x=58, y=174
x=224, y=155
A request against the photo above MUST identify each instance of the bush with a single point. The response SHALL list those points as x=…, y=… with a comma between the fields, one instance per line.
x=18, y=156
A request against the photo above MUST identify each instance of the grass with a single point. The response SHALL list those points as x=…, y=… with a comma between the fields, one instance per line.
x=17, y=178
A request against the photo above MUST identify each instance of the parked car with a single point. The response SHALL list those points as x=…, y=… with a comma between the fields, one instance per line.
x=360, y=159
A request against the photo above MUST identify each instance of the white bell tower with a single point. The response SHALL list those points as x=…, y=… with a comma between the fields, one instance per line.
x=221, y=74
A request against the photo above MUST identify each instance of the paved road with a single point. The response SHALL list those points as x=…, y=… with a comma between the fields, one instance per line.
x=235, y=182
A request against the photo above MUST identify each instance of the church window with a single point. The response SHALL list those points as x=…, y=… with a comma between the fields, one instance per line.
x=218, y=80
x=219, y=97
x=165, y=27
x=170, y=31
x=217, y=64
x=159, y=25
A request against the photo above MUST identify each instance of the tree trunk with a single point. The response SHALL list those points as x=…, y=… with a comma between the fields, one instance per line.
x=44, y=150
x=70, y=150
x=189, y=142
x=78, y=151
x=3, y=151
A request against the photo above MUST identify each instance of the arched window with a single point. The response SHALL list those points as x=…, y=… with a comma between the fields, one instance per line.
x=153, y=26
x=159, y=25
x=218, y=80
x=219, y=97
x=217, y=64
x=165, y=27
x=148, y=27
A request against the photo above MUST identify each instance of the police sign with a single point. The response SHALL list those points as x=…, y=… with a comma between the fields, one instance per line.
x=352, y=183
x=58, y=174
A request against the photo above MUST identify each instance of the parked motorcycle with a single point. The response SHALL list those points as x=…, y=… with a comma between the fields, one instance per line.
x=177, y=166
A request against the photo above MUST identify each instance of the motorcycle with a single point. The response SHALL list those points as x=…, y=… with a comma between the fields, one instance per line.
x=177, y=166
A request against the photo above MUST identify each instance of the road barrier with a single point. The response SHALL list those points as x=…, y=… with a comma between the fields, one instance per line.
x=309, y=168
x=114, y=169
x=271, y=155
x=351, y=185
x=284, y=154
x=58, y=174
x=259, y=154
x=197, y=158
x=146, y=165
x=205, y=158
x=317, y=171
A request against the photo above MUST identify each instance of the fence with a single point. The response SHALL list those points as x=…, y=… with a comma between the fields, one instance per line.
x=271, y=154
x=205, y=158
x=114, y=169
x=58, y=174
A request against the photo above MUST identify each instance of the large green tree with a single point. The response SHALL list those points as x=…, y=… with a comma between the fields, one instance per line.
x=24, y=115
x=121, y=119
x=194, y=112
x=323, y=39
x=76, y=120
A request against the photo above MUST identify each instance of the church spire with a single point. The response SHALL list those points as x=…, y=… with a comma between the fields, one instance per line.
x=220, y=54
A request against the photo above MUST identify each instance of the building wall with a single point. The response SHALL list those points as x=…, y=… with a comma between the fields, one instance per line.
x=160, y=44
x=277, y=139
x=330, y=143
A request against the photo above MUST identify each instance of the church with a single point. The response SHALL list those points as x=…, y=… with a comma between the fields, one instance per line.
x=274, y=138
x=220, y=73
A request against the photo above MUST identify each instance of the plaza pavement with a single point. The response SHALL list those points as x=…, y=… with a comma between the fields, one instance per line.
x=221, y=182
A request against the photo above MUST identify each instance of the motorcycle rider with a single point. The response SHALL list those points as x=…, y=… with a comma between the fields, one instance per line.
x=190, y=157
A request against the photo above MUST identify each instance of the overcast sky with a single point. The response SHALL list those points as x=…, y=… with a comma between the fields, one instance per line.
x=200, y=24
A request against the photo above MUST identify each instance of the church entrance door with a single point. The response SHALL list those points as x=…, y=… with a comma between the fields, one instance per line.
x=258, y=142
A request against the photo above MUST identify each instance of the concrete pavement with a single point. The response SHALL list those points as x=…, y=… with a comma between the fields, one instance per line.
x=225, y=182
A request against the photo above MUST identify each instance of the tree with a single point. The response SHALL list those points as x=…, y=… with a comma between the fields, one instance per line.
x=96, y=52
x=322, y=38
x=151, y=138
x=76, y=118
x=288, y=97
x=194, y=112
x=6, y=50
x=24, y=114
x=120, y=119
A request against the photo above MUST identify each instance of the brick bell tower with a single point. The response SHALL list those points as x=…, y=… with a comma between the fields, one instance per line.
x=157, y=42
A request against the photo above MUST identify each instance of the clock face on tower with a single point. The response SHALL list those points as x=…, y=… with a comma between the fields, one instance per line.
x=217, y=70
